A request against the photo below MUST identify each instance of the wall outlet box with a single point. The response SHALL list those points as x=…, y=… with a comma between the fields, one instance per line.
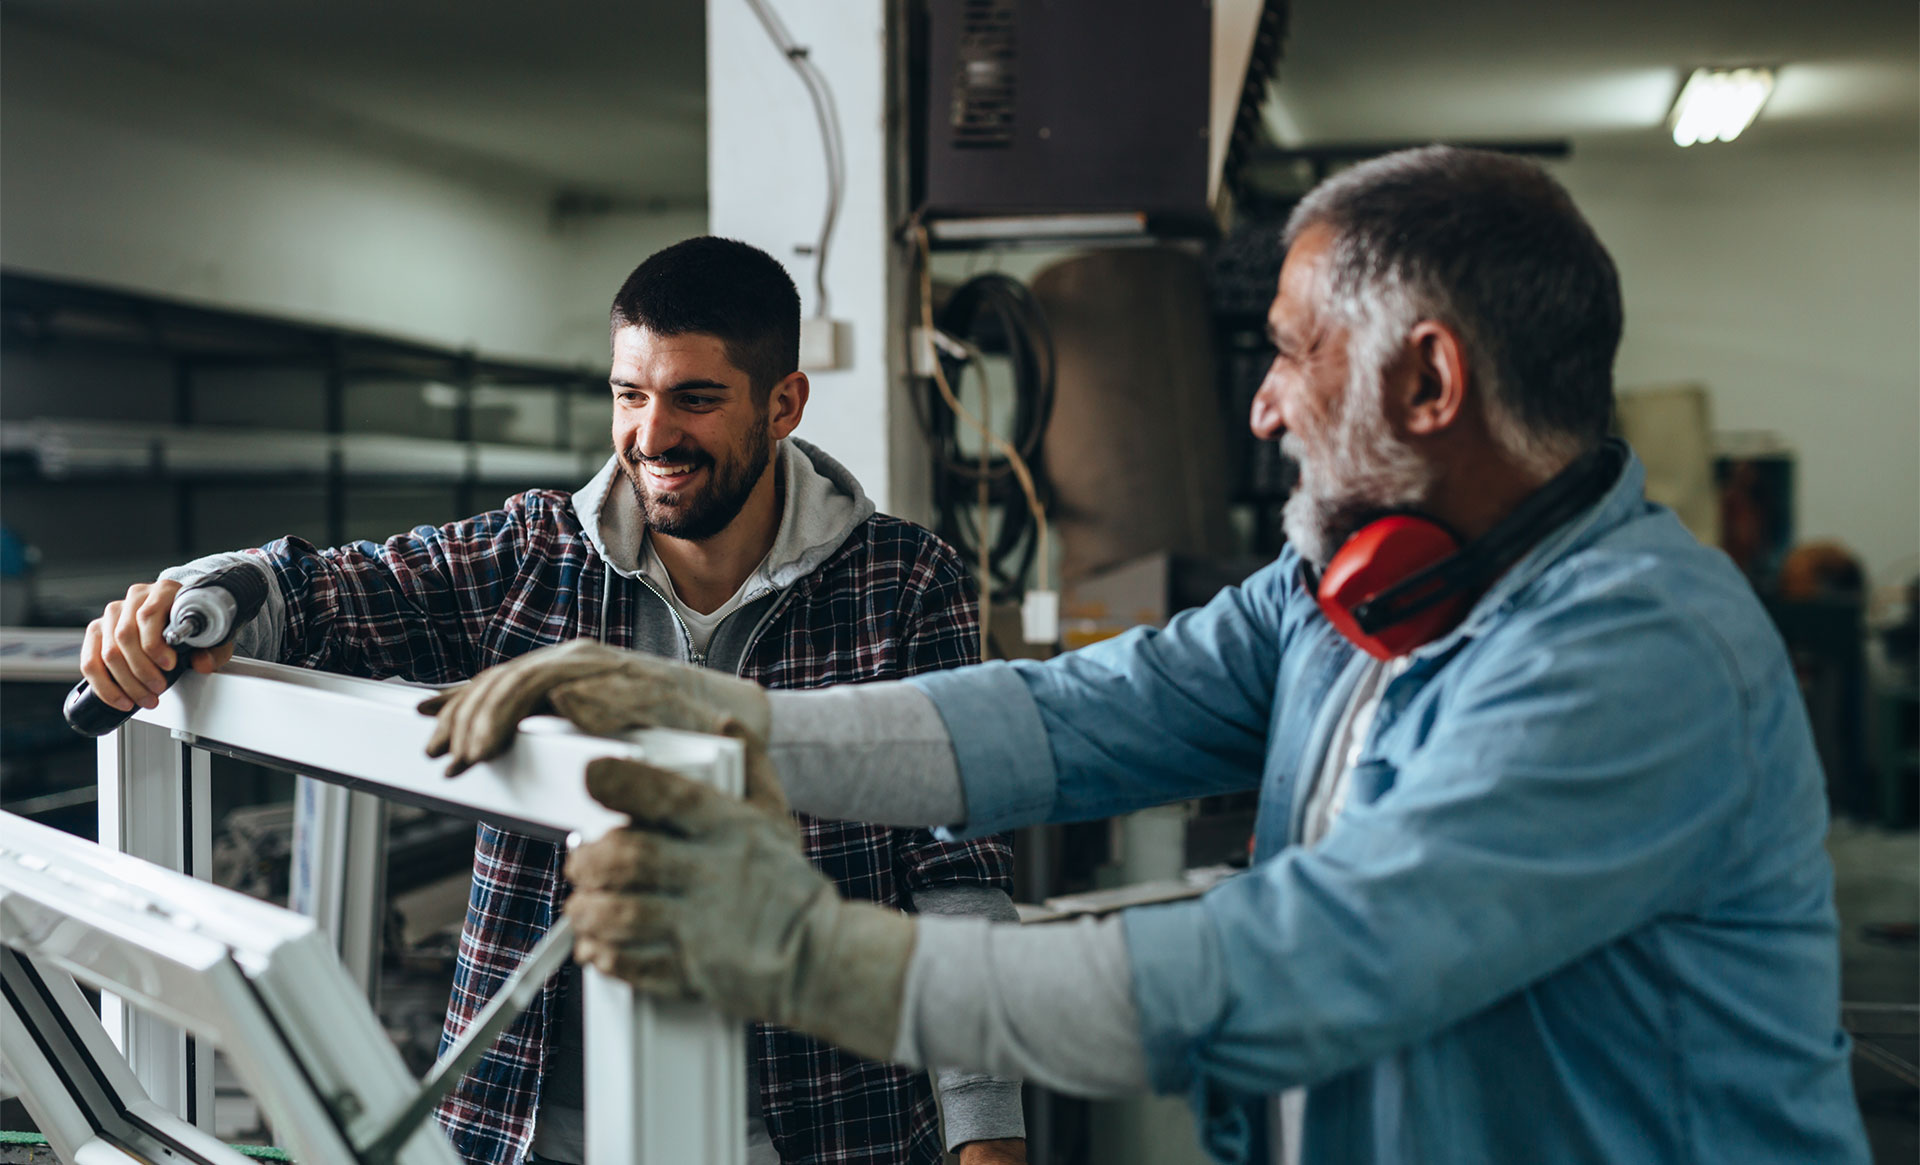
x=926, y=345
x=1040, y=617
x=921, y=353
x=825, y=344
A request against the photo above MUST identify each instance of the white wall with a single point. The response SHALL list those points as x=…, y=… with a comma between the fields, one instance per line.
x=766, y=183
x=1784, y=274
x=120, y=172
x=592, y=259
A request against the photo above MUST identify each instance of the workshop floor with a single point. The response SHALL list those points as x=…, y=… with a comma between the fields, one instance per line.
x=1877, y=886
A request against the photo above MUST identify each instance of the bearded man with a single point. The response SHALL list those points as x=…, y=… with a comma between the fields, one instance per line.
x=1538, y=869
x=713, y=537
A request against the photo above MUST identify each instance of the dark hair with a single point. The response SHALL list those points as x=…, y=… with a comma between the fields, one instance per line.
x=723, y=288
x=1492, y=246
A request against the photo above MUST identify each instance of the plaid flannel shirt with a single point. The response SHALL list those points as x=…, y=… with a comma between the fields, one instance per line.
x=438, y=605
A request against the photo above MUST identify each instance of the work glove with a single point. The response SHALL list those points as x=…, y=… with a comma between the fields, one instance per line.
x=704, y=896
x=600, y=689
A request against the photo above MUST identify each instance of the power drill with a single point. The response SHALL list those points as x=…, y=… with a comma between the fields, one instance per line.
x=205, y=614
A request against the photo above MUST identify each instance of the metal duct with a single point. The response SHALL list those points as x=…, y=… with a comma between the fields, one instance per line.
x=1136, y=449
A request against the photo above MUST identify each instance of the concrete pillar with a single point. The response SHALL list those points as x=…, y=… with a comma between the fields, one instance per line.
x=767, y=185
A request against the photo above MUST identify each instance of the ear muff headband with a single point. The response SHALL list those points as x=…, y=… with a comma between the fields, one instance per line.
x=1403, y=580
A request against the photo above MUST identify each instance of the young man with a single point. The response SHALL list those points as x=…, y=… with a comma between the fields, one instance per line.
x=711, y=537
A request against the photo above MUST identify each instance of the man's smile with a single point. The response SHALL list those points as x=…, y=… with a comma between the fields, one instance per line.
x=670, y=475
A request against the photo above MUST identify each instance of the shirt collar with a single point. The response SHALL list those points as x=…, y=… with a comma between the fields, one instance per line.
x=1613, y=508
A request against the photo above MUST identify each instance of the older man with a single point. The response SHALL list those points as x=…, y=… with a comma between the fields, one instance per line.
x=1538, y=868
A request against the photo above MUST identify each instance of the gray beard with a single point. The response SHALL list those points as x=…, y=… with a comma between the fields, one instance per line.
x=1318, y=526
x=1363, y=472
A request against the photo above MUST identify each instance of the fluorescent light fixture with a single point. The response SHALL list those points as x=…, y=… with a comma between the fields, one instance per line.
x=1716, y=104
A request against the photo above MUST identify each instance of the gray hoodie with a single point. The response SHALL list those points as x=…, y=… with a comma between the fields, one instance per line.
x=822, y=506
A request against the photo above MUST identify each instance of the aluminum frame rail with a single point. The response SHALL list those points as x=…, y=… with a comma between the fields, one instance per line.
x=668, y=1079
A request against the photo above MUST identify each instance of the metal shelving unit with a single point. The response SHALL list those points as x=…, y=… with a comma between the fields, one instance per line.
x=139, y=432
x=57, y=448
x=185, y=346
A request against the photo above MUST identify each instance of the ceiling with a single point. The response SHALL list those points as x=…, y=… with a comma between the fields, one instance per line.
x=604, y=96
x=609, y=98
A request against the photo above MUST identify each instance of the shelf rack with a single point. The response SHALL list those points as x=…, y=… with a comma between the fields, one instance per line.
x=40, y=315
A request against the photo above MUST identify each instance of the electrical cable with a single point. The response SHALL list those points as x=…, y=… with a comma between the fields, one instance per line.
x=828, y=115
x=1007, y=480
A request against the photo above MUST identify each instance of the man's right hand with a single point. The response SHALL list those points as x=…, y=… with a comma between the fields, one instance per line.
x=600, y=689
x=123, y=655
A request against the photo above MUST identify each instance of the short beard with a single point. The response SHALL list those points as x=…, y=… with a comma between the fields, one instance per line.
x=1364, y=471
x=706, y=513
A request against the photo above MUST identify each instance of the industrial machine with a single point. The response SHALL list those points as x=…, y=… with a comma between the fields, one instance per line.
x=1087, y=118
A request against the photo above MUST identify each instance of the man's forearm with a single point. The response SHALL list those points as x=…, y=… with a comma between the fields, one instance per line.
x=1053, y=1004
x=877, y=753
x=880, y=753
x=974, y=1106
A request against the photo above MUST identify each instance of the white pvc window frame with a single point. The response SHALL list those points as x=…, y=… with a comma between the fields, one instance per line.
x=667, y=1079
x=257, y=981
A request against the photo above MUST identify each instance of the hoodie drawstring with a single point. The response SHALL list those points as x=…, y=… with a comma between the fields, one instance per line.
x=606, y=598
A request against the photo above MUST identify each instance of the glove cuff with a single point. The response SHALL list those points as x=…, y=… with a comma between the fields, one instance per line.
x=714, y=694
x=851, y=978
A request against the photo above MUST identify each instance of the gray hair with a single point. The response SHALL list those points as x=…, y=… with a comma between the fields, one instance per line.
x=1492, y=247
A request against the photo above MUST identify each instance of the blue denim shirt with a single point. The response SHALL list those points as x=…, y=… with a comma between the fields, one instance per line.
x=1577, y=906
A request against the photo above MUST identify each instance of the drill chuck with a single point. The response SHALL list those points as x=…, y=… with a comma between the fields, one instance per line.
x=205, y=614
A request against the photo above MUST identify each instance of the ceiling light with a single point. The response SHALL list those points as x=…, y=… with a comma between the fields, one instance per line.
x=1716, y=104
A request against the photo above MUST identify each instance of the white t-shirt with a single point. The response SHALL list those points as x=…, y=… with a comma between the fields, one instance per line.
x=700, y=628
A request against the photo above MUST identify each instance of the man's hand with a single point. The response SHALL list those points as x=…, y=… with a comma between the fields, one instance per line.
x=123, y=655
x=708, y=897
x=1007, y=1152
x=600, y=689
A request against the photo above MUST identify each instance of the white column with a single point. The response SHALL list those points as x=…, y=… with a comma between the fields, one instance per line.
x=666, y=1081
x=766, y=185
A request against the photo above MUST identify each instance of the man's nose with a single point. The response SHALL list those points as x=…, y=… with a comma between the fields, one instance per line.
x=655, y=433
x=1267, y=419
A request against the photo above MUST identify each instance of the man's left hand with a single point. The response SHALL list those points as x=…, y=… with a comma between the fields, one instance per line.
x=1008, y=1152
x=708, y=897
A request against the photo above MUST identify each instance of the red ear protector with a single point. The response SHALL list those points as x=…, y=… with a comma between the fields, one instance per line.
x=1404, y=580
x=1372, y=567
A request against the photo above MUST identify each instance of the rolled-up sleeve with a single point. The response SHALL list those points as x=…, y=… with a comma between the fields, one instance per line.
x=999, y=743
x=1156, y=715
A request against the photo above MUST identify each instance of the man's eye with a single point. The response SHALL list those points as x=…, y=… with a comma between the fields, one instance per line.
x=699, y=402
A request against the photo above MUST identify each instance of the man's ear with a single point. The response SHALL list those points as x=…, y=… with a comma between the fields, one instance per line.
x=787, y=403
x=1432, y=388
